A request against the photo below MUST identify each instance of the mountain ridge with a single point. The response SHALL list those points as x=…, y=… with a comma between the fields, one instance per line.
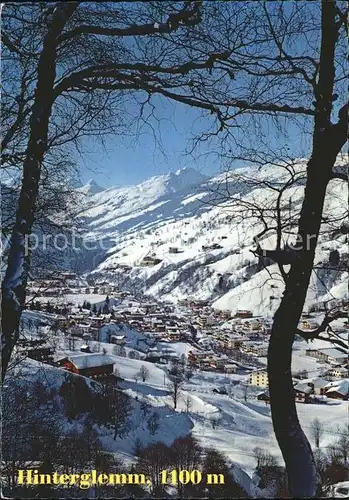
x=176, y=221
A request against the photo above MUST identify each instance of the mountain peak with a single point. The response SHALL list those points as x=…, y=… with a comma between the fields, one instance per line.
x=185, y=177
x=91, y=188
x=185, y=170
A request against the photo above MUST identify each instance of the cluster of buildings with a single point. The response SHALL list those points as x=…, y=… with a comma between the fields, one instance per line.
x=314, y=390
x=329, y=355
x=333, y=384
x=211, y=361
x=68, y=283
x=221, y=341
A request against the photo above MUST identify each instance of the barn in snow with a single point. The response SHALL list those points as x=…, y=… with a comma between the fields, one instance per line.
x=88, y=365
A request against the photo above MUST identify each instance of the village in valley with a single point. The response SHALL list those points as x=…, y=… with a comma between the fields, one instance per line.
x=103, y=333
x=170, y=327
x=210, y=340
x=174, y=250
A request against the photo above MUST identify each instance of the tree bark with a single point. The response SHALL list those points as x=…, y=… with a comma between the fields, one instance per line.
x=15, y=280
x=295, y=448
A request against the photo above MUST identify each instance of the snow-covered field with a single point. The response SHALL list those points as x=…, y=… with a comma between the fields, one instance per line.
x=241, y=425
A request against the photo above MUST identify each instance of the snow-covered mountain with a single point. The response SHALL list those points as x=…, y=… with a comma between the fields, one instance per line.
x=115, y=210
x=90, y=188
x=201, y=232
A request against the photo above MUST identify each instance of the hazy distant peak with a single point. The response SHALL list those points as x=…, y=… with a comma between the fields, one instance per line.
x=91, y=187
x=184, y=177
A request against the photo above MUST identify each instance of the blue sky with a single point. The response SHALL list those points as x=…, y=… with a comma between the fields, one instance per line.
x=130, y=160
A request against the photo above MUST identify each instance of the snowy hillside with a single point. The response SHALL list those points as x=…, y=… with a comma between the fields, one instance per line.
x=115, y=210
x=173, y=216
x=242, y=422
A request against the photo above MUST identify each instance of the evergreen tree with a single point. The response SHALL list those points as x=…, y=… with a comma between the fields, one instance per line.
x=334, y=258
x=215, y=461
x=106, y=305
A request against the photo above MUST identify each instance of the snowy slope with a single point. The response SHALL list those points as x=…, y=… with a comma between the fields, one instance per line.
x=117, y=209
x=242, y=421
x=187, y=211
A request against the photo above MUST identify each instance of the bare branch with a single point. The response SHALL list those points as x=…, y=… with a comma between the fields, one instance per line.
x=328, y=319
x=187, y=17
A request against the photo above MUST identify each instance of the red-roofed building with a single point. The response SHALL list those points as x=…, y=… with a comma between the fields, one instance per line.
x=88, y=365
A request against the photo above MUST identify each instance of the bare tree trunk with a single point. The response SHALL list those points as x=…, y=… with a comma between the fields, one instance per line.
x=328, y=140
x=15, y=281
